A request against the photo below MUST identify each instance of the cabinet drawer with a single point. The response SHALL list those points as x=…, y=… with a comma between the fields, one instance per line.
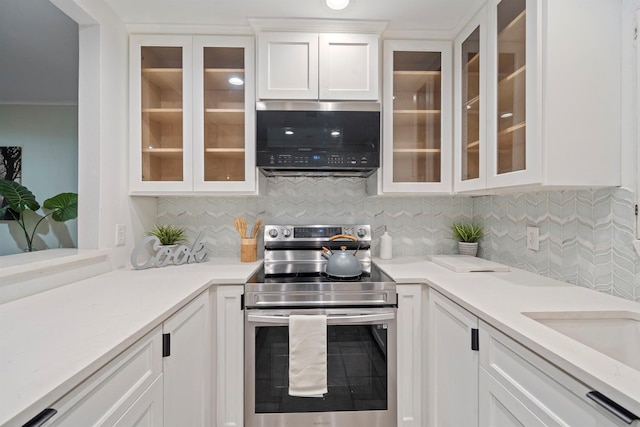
x=147, y=410
x=551, y=395
x=106, y=395
x=498, y=407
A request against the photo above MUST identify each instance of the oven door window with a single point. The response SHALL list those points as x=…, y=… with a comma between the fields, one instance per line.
x=356, y=370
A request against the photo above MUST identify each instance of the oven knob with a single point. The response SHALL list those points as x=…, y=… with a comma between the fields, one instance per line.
x=362, y=232
x=273, y=233
x=286, y=232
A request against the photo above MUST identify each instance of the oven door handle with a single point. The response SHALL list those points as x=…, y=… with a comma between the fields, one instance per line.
x=331, y=320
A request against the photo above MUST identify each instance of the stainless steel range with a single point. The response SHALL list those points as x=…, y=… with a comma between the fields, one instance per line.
x=360, y=312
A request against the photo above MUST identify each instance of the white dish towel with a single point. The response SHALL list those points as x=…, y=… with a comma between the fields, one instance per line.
x=307, y=355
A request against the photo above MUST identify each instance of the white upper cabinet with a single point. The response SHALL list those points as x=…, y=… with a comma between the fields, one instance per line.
x=224, y=114
x=293, y=65
x=287, y=66
x=470, y=94
x=348, y=67
x=416, y=154
x=553, y=100
x=161, y=107
x=192, y=114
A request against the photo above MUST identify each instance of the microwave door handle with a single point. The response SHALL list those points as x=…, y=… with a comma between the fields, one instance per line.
x=331, y=320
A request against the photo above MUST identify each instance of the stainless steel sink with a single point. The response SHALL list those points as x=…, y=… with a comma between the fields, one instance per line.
x=614, y=333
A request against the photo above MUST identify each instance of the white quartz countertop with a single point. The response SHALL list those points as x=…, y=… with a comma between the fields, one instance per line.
x=500, y=298
x=51, y=341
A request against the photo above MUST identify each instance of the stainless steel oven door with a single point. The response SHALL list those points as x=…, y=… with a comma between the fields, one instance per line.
x=361, y=370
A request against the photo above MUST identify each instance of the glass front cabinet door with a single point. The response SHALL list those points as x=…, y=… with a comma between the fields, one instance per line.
x=470, y=93
x=190, y=130
x=160, y=113
x=512, y=159
x=417, y=117
x=224, y=114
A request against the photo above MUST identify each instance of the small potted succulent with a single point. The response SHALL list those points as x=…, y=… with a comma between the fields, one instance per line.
x=168, y=234
x=467, y=236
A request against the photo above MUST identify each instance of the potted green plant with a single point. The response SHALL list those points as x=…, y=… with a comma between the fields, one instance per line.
x=467, y=236
x=168, y=234
x=62, y=207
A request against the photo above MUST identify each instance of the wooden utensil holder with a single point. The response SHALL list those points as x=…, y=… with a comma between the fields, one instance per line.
x=248, y=250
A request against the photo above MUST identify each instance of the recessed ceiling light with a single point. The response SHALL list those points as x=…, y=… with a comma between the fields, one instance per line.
x=337, y=4
x=236, y=81
x=288, y=132
x=335, y=133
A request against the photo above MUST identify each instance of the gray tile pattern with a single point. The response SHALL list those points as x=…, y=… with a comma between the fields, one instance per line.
x=419, y=225
x=585, y=235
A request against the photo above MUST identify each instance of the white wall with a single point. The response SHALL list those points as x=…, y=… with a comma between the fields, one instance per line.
x=103, y=132
x=49, y=139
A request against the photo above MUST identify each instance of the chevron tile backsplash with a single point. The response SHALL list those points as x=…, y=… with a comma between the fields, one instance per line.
x=585, y=236
x=419, y=225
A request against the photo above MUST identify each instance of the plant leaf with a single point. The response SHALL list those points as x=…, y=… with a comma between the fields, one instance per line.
x=18, y=197
x=64, y=206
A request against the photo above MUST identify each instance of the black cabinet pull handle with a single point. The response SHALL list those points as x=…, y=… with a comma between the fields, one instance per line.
x=611, y=406
x=475, y=341
x=41, y=418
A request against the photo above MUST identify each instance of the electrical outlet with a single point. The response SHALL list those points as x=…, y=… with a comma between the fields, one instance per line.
x=121, y=234
x=533, y=238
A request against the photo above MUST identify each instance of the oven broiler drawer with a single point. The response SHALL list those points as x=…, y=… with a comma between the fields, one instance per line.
x=267, y=299
x=282, y=317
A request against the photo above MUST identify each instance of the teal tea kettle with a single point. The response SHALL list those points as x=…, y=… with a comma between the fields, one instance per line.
x=342, y=263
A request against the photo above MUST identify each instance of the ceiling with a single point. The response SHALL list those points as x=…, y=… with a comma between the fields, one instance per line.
x=39, y=44
x=401, y=15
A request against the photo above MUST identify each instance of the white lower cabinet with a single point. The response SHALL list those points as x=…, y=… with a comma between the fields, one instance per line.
x=187, y=367
x=518, y=387
x=502, y=384
x=147, y=410
x=411, y=304
x=140, y=387
x=453, y=364
x=229, y=354
x=106, y=395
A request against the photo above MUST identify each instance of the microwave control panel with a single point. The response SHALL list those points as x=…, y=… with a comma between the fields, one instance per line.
x=311, y=160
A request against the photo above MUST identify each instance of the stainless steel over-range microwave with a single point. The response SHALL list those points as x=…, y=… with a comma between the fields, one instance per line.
x=318, y=138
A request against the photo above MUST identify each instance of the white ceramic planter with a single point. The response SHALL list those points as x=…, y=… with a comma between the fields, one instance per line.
x=465, y=248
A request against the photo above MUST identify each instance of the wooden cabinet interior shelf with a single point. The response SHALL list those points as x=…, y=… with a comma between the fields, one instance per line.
x=414, y=81
x=417, y=150
x=165, y=115
x=224, y=116
x=170, y=78
x=513, y=32
x=416, y=117
x=162, y=151
x=218, y=78
x=229, y=151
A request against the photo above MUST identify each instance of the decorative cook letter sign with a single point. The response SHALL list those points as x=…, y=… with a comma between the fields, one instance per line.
x=178, y=254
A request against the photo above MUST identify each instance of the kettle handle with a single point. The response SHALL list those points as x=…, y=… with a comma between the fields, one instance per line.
x=348, y=237
x=343, y=236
